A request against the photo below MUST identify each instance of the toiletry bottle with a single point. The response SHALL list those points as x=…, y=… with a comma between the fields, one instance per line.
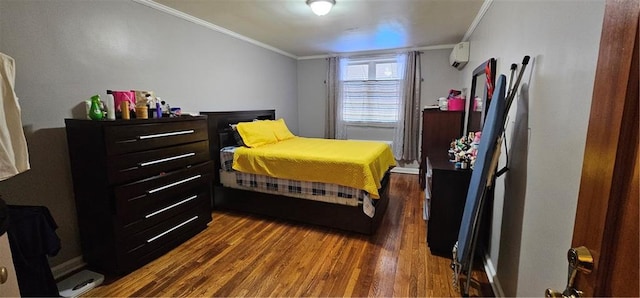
x=124, y=107
x=95, y=113
x=150, y=105
x=111, y=109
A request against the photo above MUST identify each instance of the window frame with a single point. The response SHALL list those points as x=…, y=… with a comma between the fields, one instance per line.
x=371, y=77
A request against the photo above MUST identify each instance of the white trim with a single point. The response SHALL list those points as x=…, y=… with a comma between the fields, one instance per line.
x=67, y=267
x=211, y=26
x=403, y=170
x=483, y=9
x=427, y=48
x=490, y=270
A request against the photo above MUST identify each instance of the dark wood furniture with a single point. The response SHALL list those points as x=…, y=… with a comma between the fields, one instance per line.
x=142, y=187
x=439, y=128
x=350, y=218
x=448, y=195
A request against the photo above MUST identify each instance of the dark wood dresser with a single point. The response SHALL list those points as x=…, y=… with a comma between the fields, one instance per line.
x=439, y=128
x=448, y=195
x=142, y=187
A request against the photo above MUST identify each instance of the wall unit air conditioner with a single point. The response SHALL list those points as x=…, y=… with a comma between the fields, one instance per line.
x=459, y=55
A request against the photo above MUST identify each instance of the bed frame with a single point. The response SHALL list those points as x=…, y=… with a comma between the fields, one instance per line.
x=350, y=218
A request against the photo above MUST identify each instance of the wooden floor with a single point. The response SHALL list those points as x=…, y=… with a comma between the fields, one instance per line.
x=243, y=255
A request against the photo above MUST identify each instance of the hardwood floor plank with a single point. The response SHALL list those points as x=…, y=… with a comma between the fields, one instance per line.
x=299, y=267
x=242, y=255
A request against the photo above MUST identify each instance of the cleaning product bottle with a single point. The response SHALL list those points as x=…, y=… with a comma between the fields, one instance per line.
x=95, y=113
x=111, y=109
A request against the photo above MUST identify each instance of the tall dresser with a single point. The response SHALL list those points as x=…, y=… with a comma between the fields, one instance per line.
x=439, y=128
x=445, y=187
x=142, y=187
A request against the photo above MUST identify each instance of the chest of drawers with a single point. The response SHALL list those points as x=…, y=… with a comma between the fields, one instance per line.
x=439, y=128
x=448, y=195
x=141, y=186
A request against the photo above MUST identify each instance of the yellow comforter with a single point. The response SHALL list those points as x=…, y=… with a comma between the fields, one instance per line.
x=357, y=164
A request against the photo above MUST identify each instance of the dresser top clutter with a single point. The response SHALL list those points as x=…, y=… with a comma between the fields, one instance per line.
x=141, y=186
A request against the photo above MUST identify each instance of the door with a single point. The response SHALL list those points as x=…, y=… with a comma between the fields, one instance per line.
x=607, y=213
x=8, y=279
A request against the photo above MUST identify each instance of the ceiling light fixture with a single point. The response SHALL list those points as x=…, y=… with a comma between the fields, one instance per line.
x=321, y=7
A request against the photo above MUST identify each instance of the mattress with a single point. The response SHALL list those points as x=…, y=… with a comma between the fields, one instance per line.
x=317, y=191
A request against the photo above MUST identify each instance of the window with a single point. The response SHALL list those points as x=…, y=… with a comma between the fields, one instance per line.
x=371, y=90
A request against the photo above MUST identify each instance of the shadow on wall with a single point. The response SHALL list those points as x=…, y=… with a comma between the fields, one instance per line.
x=514, y=198
x=48, y=183
x=79, y=111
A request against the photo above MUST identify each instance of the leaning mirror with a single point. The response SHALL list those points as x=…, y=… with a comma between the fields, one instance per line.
x=482, y=83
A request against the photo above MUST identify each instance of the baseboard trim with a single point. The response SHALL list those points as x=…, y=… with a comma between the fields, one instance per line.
x=490, y=270
x=401, y=170
x=67, y=267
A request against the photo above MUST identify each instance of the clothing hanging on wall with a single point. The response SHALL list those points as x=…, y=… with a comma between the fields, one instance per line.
x=32, y=237
x=14, y=157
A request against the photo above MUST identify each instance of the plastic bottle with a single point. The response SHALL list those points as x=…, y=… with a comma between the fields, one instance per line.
x=124, y=107
x=95, y=113
x=158, y=110
x=111, y=109
x=151, y=113
x=164, y=106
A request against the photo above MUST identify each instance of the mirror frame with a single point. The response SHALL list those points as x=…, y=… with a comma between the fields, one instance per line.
x=475, y=119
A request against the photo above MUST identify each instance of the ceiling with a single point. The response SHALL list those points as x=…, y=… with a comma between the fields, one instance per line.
x=351, y=26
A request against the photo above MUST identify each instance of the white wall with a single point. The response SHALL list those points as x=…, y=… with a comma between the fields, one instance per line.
x=312, y=107
x=438, y=76
x=531, y=235
x=66, y=51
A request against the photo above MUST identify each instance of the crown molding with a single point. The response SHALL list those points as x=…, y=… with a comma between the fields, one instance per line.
x=426, y=48
x=483, y=9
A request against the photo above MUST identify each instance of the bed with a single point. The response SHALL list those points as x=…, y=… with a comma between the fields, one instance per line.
x=342, y=211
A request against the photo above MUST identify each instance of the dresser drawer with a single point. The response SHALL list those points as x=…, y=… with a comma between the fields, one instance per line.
x=121, y=139
x=137, y=165
x=143, y=216
x=142, y=195
x=160, y=238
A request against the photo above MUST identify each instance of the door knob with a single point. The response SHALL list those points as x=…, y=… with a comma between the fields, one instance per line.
x=4, y=275
x=580, y=259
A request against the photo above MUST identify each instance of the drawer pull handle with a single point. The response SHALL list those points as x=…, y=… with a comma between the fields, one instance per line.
x=137, y=198
x=126, y=141
x=135, y=248
x=166, y=134
x=174, y=184
x=144, y=164
x=169, y=230
x=128, y=169
x=169, y=207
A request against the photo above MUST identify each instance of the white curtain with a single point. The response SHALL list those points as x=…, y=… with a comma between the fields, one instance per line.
x=398, y=135
x=341, y=125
